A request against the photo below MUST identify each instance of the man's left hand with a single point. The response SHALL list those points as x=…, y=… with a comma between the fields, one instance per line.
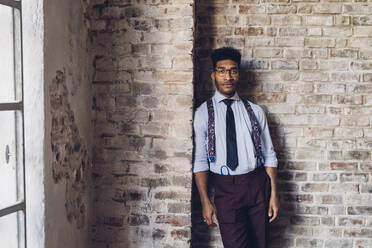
x=273, y=207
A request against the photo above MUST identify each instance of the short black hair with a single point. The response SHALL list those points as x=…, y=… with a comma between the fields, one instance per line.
x=226, y=53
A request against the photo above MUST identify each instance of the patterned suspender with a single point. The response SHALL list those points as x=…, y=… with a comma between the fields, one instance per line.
x=211, y=132
x=255, y=135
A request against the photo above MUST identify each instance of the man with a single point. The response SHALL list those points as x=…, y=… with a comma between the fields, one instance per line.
x=232, y=141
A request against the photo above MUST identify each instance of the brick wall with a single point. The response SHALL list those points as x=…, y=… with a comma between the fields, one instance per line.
x=142, y=106
x=309, y=64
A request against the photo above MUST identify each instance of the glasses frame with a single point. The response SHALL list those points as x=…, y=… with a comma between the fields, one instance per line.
x=223, y=73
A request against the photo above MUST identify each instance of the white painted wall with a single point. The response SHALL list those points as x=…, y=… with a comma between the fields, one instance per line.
x=33, y=60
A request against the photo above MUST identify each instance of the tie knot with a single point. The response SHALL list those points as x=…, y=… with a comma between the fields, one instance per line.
x=228, y=102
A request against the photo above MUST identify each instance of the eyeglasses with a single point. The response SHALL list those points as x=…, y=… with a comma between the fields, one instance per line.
x=223, y=71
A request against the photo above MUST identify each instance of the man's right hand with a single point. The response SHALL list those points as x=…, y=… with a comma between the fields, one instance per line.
x=209, y=214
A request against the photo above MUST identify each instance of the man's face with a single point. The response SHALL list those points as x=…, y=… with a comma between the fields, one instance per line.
x=226, y=77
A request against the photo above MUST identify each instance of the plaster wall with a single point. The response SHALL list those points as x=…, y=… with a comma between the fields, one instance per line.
x=68, y=133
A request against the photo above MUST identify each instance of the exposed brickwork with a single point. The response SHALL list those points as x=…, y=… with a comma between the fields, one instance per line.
x=309, y=66
x=308, y=63
x=143, y=98
x=70, y=156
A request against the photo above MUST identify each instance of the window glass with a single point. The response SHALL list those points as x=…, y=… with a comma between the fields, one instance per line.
x=11, y=159
x=10, y=54
x=12, y=230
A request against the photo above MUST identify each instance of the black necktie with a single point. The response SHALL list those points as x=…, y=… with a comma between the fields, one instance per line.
x=231, y=147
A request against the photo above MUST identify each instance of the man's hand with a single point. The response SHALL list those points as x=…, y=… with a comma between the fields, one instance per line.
x=209, y=214
x=274, y=202
x=273, y=207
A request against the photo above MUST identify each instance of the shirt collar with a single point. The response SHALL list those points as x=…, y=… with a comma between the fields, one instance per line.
x=219, y=97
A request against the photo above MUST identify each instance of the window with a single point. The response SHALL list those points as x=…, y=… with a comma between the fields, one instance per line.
x=12, y=179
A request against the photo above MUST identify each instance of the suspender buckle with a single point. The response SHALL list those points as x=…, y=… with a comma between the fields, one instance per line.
x=212, y=159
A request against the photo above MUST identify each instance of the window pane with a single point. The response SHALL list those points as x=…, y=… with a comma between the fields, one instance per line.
x=11, y=159
x=12, y=230
x=10, y=54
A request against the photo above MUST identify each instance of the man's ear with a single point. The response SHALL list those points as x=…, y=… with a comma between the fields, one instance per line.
x=213, y=76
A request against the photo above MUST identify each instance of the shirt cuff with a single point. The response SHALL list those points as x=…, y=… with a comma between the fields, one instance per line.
x=200, y=167
x=271, y=163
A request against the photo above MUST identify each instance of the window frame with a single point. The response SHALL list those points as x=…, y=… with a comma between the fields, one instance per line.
x=20, y=206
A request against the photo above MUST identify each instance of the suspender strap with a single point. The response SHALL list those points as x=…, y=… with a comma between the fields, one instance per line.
x=255, y=134
x=211, y=132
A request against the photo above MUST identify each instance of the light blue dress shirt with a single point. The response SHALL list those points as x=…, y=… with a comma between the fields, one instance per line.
x=247, y=162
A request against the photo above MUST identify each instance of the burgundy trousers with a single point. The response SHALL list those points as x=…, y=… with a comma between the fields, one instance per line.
x=242, y=203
